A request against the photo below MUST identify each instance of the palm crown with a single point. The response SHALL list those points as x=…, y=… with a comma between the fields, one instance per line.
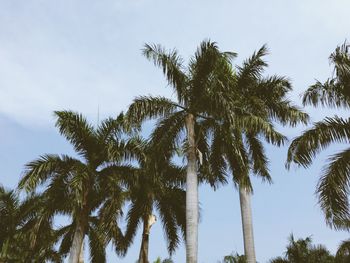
x=156, y=186
x=22, y=237
x=237, y=134
x=88, y=189
x=200, y=89
x=333, y=187
x=264, y=101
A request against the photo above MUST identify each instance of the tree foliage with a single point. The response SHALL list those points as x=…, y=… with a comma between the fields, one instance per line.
x=333, y=186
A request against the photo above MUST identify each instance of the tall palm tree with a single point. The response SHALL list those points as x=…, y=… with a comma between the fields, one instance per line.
x=239, y=147
x=333, y=186
x=88, y=188
x=156, y=186
x=194, y=87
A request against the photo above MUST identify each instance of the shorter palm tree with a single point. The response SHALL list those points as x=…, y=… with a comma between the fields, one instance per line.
x=20, y=239
x=234, y=258
x=88, y=189
x=167, y=260
x=303, y=251
x=156, y=187
x=343, y=252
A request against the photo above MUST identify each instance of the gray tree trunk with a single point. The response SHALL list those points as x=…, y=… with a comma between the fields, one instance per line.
x=78, y=238
x=191, y=194
x=147, y=224
x=247, y=224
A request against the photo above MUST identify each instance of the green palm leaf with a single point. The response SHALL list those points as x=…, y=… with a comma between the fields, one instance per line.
x=304, y=148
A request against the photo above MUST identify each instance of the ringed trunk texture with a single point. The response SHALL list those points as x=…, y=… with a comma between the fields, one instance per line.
x=77, y=244
x=191, y=194
x=147, y=224
x=247, y=224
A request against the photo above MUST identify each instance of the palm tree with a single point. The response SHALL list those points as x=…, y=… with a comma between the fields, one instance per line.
x=194, y=87
x=237, y=145
x=343, y=252
x=11, y=218
x=156, y=186
x=333, y=186
x=17, y=223
x=303, y=251
x=167, y=260
x=234, y=258
x=88, y=189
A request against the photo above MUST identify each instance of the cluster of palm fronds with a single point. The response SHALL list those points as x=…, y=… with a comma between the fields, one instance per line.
x=302, y=251
x=91, y=189
x=218, y=123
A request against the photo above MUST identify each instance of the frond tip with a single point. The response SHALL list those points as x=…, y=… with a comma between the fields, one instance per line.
x=333, y=190
x=305, y=147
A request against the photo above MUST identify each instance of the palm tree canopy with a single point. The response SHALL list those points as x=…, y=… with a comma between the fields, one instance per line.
x=23, y=237
x=343, y=252
x=211, y=89
x=303, y=251
x=89, y=188
x=333, y=187
x=256, y=103
x=157, y=185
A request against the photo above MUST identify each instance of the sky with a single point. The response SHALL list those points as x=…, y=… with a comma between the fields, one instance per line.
x=86, y=56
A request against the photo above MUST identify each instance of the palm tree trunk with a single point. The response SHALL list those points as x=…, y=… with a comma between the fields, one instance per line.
x=147, y=224
x=81, y=255
x=247, y=224
x=191, y=194
x=78, y=239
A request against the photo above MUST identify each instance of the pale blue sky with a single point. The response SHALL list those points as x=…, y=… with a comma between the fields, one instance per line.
x=82, y=55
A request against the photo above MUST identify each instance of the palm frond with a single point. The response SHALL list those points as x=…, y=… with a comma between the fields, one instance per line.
x=114, y=175
x=169, y=224
x=343, y=249
x=333, y=188
x=252, y=67
x=110, y=127
x=171, y=64
x=202, y=66
x=165, y=138
x=75, y=128
x=272, y=88
x=330, y=93
x=341, y=60
x=238, y=160
x=305, y=147
x=148, y=107
x=217, y=162
x=258, y=158
x=97, y=247
x=39, y=170
x=335, y=91
x=258, y=125
x=67, y=240
x=133, y=218
x=287, y=114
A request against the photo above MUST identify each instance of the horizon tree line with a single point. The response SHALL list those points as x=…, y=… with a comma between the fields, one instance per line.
x=218, y=124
